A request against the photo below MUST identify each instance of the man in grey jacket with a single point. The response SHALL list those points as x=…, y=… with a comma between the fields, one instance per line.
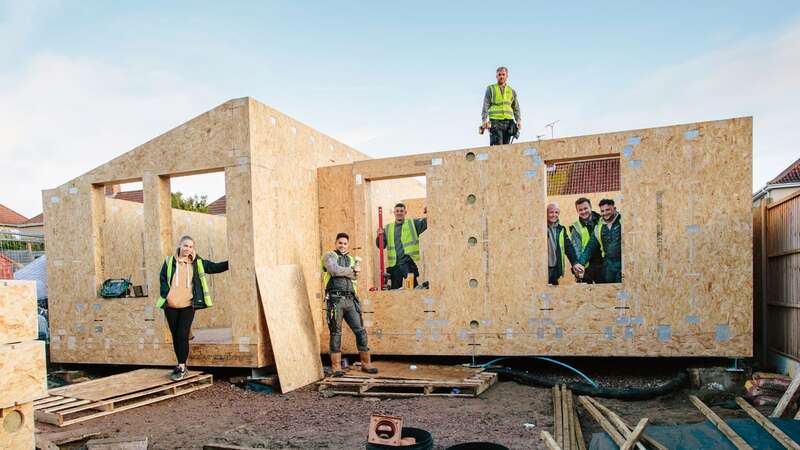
x=500, y=113
x=341, y=293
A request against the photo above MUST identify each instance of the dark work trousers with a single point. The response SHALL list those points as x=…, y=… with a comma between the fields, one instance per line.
x=180, y=325
x=552, y=275
x=501, y=131
x=345, y=306
x=399, y=272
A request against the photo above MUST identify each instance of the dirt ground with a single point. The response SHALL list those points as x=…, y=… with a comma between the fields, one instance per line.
x=305, y=419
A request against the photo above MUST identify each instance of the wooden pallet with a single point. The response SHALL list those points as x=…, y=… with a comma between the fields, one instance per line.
x=472, y=386
x=103, y=396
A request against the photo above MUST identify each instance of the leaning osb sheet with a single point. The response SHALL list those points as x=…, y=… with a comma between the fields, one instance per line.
x=686, y=292
x=18, y=311
x=22, y=373
x=291, y=327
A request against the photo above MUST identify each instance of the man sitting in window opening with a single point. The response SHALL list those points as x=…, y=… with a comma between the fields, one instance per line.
x=580, y=232
x=607, y=240
x=559, y=247
x=401, y=241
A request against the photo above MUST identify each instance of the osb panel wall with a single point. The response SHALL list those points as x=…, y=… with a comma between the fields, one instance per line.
x=286, y=214
x=686, y=292
x=84, y=330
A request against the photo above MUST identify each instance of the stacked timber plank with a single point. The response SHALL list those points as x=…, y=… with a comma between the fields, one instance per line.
x=566, y=424
x=80, y=402
x=398, y=380
x=23, y=373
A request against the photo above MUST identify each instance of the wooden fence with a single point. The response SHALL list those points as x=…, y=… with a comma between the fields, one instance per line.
x=776, y=253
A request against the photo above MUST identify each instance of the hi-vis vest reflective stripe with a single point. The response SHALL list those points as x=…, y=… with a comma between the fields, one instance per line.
x=326, y=276
x=201, y=271
x=585, y=236
x=598, y=233
x=409, y=240
x=501, y=103
x=563, y=252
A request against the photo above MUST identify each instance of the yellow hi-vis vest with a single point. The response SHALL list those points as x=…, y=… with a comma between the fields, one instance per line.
x=326, y=276
x=598, y=232
x=563, y=252
x=585, y=236
x=409, y=240
x=501, y=103
x=201, y=271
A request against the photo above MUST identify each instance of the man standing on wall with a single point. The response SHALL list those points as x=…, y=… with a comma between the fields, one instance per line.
x=401, y=241
x=341, y=293
x=581, y=232
x=500, y=113
x=607, y=240
x=559, y=247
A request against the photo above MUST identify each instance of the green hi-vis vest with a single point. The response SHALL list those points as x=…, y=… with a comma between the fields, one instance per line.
x=501, y=103
x=201, y=271
x=598, y=233
x=563, y=252
x=583, y=230
x=409, y=240
x=326, y=276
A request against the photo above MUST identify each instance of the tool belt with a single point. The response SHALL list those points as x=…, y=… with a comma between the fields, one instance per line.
x=339, y=294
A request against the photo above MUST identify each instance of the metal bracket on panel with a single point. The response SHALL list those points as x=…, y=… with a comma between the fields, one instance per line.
x=437, y=161
x=482, y=156
x=664, y=332
x=635, y=163
x=628, y=151
x=691, y=134
x=628, y=333
x=559, y=333
x=530, y=151
x=73, y=190
x=608, y=332
x=693, y=319
x=693, y=228
x=634, y=140
x=530, y=173
x=359, y=179
x=722, y=332
x=54, y=199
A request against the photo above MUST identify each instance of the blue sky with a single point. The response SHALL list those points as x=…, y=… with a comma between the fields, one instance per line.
x=83, y=82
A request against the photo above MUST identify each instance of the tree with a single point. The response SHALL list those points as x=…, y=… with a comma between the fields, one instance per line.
x=197, y=203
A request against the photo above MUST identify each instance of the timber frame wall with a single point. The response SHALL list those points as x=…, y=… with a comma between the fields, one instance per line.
x=685, y=203
x=687, y=249
x=270, y=163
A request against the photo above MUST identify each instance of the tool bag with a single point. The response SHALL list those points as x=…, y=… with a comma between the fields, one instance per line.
x=115, y=288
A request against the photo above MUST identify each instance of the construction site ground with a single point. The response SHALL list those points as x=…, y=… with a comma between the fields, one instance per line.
x=307, y=419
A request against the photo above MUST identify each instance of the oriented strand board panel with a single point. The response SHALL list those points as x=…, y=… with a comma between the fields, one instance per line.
x=18, y=311
x=22, y=373
x=294, y=340
x=17, y=427
x=270, y=163
x=487, y=257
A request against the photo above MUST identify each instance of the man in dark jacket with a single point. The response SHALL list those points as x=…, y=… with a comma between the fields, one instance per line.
x=559, y=247
x=581, y=232
x=607, y=240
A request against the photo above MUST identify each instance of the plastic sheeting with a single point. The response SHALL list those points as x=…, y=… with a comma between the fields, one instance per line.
x=706, y=436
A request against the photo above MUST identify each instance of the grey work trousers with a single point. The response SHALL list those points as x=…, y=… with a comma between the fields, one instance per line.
x=345, y=307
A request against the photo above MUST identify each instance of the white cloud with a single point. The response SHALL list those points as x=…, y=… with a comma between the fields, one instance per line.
x=63, y=116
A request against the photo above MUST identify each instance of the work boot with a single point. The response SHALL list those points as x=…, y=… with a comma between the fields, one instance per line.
x=366, y=363
x=336, y=364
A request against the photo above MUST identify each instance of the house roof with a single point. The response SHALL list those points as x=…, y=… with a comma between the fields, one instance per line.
x=11, y=217
x=790, y=175
x=35, y=270
x=217, y=207
x=583, y=177
x=37, y=219
x=131, y=196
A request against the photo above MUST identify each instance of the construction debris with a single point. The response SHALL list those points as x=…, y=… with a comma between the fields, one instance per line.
x=118, y=443
x=567, y=425
x=723, y=427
